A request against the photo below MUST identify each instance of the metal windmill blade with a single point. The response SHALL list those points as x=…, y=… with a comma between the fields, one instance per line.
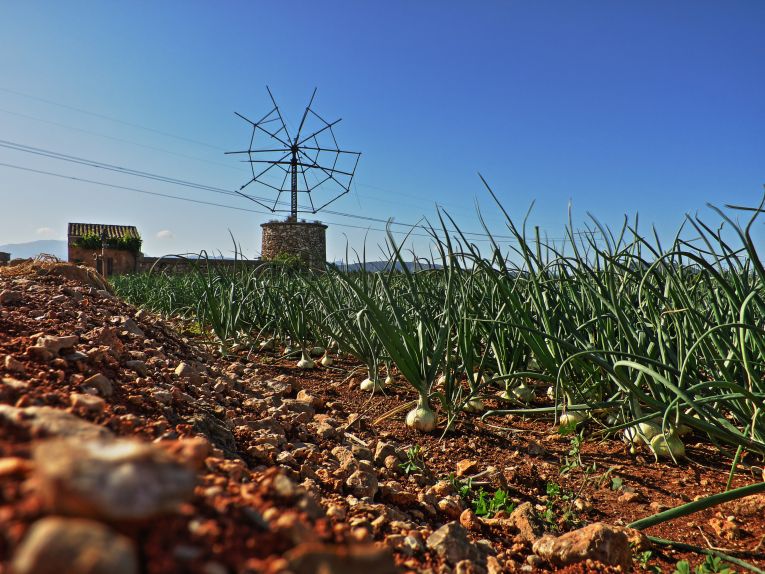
x=312, y=165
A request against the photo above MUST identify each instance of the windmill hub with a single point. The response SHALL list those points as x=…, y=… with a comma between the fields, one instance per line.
x=318, y=172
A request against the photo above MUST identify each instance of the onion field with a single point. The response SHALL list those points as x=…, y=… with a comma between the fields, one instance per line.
x=637, y=338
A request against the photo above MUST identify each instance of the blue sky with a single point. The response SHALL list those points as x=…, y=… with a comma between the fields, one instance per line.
x=648, y=107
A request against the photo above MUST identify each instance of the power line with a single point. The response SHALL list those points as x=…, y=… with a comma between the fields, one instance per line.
x=187, y=199
x=190, y=140
x=193, y=185
x=122, y=140
x=111, y=119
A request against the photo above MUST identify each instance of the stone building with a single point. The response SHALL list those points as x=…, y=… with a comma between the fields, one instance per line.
x=110, y=249
x=5, y=258
x=293, y=238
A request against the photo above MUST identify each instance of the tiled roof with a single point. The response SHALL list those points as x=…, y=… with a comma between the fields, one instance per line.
x=112, y=231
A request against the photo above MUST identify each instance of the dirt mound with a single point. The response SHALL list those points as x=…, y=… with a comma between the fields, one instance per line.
x=48, y=265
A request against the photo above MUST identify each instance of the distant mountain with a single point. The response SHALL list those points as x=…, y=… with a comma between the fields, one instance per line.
x=374, y=266
x=55, y=247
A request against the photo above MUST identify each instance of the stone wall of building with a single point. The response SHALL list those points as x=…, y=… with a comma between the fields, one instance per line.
x=171, y=264
x=295, y=238
x=5, y=258
x=121, y=261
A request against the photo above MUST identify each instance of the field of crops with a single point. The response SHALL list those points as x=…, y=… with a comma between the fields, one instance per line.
x=650, y=341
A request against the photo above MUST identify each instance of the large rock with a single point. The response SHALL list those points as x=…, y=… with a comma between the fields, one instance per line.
x=55, y=545
x=111, y=480
x=451, y=543
x=526, y=522
x=597, y=541
x=311, y=558
x=52, y=422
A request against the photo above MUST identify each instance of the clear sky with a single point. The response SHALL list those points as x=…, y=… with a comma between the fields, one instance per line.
x=642, y=106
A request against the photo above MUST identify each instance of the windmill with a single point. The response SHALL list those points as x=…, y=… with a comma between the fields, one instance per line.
x=309, y=166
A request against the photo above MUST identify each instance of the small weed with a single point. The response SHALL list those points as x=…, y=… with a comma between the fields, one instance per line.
x=463, y=487
x=482, y=503
x=488, y=507
x=643, y=558
x=574, y=456
x=414, y=462
x=711, y=565
x=616, y=483
x=558, y=497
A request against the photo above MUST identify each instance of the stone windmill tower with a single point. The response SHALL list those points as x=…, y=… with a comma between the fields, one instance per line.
x=309, y=166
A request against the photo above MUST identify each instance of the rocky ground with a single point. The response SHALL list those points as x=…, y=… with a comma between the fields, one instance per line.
x=125, y=447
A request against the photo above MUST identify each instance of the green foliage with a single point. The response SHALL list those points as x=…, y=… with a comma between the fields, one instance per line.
x=132, y=244
x=616, y=322
x=89, y=241
x=573, y=458
x=643, y=558
x=616, y=483
x=290, y=261
x=414, y=462
x=123, y=243
x=464, y=488
x=710, y=565
x=486, y=506
x=559, y=507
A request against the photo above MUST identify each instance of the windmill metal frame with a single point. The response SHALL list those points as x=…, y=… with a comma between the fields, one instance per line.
x=296, y=157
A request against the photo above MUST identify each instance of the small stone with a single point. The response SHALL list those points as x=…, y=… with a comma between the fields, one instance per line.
x=394, y=493
x=657, y=507
x=382, y=451
x=362, y=484
x=190, y=451
x=13, y=365
x=305, y=397
x=526, y=521
x=337, y=512
x=466, y=466
x=39, y=354
x=87, y=402
x=631, y=497
x=75, y=545
x=534, y=561
x=443, y=488
x=726, y=529
x=101, y=383
x=131, y=327
x=55, y=344
x=362, y=452
x=469, y=520
x=138, y=366
x=186, y=371
x=468, y=567
x=310, y=558
x=451, y=543
x=283, y=487
x=452, y=506
x=9, y=297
